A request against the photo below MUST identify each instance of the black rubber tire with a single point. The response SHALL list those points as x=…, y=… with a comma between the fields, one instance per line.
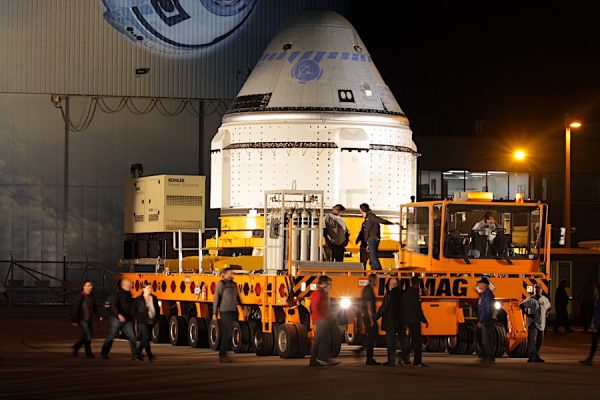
x=303, y=348
x=470, y=343
x=253, y=325
x=240, y=337
x=453, y=344
x=286, y=340
x=197, y=332
x=353, y=339
x=264, y=343
x=436, y=344
x=178, y=335
x=520, y=351
x=160, y=330
x=214, y=334
x=500, y=342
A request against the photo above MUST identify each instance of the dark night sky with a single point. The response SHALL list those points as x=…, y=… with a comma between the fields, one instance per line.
x=520, y=65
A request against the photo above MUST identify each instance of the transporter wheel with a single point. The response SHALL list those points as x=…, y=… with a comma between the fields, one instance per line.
x=178, y=331
x=214, y=334
x=453, y=345
x=520, y=351
x=470, y=342
x=436, y=344
x=286, y=340
x=303, y=347
x=240, y=337
x=264, y=342
x=500, y=342
x=353, y=338
x=160, y=330
x=253, y=325
x=197, y=332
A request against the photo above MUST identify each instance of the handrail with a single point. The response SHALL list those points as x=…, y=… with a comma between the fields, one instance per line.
x=178, y=238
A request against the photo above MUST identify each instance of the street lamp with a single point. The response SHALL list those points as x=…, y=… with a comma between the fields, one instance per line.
x=519, y=155
x=568, y=126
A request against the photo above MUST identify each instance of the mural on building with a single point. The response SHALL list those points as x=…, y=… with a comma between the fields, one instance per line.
x=175, y=26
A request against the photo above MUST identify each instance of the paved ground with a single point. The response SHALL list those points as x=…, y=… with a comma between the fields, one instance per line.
x=35, y=363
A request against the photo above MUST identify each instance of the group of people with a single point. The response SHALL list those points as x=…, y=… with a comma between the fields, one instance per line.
x=400, y=312
x=124, y=311
x=337, y=235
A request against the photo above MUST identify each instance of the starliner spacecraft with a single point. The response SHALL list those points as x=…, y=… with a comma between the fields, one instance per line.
x=314, y=114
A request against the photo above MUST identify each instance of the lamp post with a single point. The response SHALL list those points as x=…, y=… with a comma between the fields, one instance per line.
x=519, y=155
x=568, y=126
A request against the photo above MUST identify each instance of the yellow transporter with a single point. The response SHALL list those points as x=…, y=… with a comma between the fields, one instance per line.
x=450, y=245
x=439, y=244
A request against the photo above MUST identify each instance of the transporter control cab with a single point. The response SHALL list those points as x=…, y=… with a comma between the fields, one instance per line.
x=452, y=244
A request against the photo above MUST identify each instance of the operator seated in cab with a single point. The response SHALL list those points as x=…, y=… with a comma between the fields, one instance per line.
x=483, y=234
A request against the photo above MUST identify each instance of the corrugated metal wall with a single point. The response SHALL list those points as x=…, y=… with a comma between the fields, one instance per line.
x=66, y=46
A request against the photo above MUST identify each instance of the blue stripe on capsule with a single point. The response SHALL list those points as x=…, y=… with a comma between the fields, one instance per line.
x=293, y=56
x=306, y=55
x=355, y=57
x=345, y=56
x=363, y=57
x=319, y=56
x=272, y=56
x=332, y=55
x=281, y=55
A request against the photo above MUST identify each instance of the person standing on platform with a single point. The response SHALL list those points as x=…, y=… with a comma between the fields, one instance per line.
x=336, y=233
x=145, y=310
x=389, y=312
x=225, y=305
x=320, y=355
x=412, y=317
x=561, y=303
x=536, y=308
x=369, y=319
x=120, y=320
x=595, y=328
x=485, y=322
x=83, y=312
x=372, y=234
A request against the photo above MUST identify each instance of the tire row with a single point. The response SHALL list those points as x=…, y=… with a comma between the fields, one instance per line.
x=286, y=340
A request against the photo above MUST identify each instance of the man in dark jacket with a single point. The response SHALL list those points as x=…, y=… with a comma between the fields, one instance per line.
x=145, y=309
x=412, y=318
x=485, y=321
x=336, y=233
x=390, y=314
x=84, y=309
x=225, y=305
x=369, y=318
x=372, y=234
x=120, y=320
x=561, y=302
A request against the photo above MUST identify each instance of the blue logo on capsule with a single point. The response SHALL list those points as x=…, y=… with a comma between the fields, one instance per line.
x=306, y=71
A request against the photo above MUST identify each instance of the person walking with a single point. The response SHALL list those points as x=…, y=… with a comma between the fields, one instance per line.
x=145, y=310
x=120, y=320
x=372, y=234
x=320, y=355
x=225, y=305
x=561, y=302
x=336, y=233
x=369, y=319
x=389, y=312
x=83, y=311
x=485, y=322
x=412, y=317
x=536, y=308
x=595, y=328
x=585, y=297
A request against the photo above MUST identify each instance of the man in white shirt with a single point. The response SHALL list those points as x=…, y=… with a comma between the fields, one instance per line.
x=536, y=307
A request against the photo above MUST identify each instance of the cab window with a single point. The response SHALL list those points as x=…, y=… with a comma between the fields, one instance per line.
x=415, y=221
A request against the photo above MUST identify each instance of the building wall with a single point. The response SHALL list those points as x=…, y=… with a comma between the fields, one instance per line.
x=67, y=47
